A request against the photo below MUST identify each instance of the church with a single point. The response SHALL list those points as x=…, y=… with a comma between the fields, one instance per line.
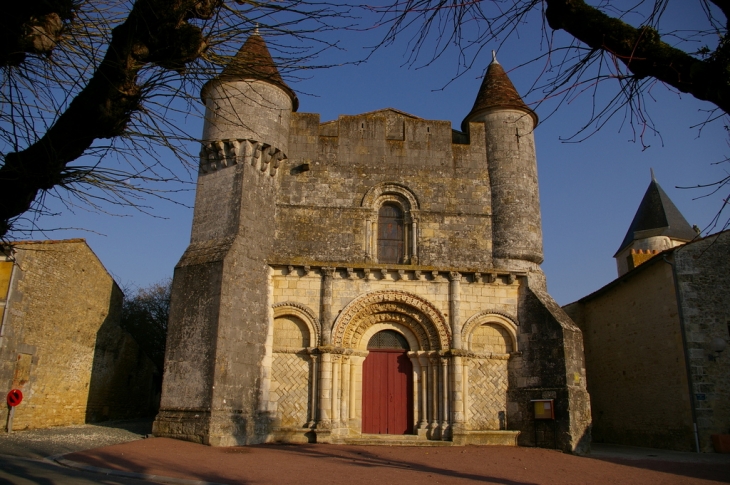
x=370, y=279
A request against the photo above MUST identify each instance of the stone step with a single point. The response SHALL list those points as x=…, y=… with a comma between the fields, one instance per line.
x=391, y=440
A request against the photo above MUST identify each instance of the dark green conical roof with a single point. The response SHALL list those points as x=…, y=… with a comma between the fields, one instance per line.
x=657, y=216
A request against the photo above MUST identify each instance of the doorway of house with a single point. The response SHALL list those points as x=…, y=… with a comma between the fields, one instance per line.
x=387, y=385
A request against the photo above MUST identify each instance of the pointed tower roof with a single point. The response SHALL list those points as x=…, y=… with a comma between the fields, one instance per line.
x=253, y=61
x=657, y=216
x=496, y=92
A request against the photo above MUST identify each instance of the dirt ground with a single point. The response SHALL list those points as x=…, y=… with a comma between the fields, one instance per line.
x=354, y=465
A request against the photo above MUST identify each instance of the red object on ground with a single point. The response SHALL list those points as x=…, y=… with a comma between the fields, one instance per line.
x=15, y=397
x=387, y=393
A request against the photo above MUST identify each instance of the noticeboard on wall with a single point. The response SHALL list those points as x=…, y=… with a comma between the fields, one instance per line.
x=543, y=408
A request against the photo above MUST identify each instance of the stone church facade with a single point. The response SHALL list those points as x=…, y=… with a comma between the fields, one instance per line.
x=369, y=276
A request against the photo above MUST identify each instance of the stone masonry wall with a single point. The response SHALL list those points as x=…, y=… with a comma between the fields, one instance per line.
x=476, y=295
x=321, y=210
x=61, y=343
x=635, y=361
x=703, y=275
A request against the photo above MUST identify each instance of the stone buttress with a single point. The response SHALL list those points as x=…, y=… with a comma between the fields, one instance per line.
x=216, y=336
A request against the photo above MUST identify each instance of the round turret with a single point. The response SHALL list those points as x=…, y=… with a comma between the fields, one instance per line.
x=249, y=100
x=512, y=167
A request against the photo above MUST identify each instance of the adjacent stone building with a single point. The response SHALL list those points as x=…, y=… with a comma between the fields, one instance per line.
x=652, y=336
x=60, y=340
x=368, y=276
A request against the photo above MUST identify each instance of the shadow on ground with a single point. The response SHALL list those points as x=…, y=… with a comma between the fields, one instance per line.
x=42, y=443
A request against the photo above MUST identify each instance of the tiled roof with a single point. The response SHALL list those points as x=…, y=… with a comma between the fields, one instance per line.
x=657, y=216
x=496, y=91
x=253, y=61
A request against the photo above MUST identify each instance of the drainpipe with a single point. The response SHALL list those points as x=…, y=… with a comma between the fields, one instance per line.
x=687, y=366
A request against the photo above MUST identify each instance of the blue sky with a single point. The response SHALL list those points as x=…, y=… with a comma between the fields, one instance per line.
x=589, y=191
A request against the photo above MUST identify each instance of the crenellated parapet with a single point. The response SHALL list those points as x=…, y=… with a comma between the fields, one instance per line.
x=219, y=154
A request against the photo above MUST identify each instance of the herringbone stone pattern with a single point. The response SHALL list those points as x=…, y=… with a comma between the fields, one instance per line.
x=290, y=388
x=487, y=393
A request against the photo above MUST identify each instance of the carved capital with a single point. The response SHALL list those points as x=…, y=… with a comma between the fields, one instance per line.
x=455, y=276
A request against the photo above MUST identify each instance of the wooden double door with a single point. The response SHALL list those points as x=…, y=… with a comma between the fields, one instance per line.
x=387, y=393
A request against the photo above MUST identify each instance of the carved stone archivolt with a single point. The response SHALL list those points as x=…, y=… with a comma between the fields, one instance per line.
x=400, y=307
x=407, y=199
x=305, y=314
x=219, y=154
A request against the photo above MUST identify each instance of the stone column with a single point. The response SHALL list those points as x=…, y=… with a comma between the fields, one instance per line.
x=417, y=410
x=414, y=239
x=356, y=394
x=326, y=306
x=345, y=399
x=434, y=426
x=454, y=308
x=325, y=391
x=368, y=240
x=445, y=430
x=465, y=391
x=352, y=405
x=423, y=423
x=336, y=364
x=457, y=417
x=313, y=391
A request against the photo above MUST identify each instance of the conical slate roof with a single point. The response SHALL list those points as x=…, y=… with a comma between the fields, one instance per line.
x=496, y=91
x=657, y=216
x=253, y=61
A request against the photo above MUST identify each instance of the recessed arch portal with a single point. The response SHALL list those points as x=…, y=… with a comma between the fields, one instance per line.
x=405, y=312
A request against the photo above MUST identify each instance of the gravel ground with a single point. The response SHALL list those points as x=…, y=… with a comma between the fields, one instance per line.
x=43, y=443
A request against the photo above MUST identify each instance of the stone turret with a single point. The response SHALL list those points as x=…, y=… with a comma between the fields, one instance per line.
x=512, y=164
x=220, y=304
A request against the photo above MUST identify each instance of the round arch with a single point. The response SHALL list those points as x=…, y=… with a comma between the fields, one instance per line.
x=304, y=313
x=401, y=309
x=390, y=191
x=488, y=316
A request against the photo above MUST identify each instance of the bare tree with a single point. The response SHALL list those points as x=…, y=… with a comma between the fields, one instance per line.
x=614, y=44
x=144, y=315
x=92, y=90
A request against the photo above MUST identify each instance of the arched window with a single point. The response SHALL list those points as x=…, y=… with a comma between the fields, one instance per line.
x=391, y=234
x=388, y=339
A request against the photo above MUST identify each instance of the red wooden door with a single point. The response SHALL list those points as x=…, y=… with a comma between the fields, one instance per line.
x=387, y=393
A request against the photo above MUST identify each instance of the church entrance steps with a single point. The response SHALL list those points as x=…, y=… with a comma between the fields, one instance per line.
x=391, y=440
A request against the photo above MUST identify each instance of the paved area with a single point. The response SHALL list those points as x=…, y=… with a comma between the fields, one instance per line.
x=25, y=471
x=57, y=441
x=117, y=448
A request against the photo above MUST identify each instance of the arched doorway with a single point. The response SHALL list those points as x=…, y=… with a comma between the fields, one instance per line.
x=387, y=385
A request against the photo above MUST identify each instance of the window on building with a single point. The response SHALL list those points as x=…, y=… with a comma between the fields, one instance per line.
x=391, y=234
